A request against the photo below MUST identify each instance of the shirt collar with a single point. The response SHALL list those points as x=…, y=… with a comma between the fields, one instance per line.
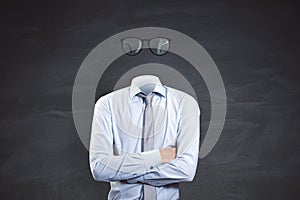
x=159, y=88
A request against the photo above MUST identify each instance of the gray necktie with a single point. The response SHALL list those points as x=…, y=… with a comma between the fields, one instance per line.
x=148, y=140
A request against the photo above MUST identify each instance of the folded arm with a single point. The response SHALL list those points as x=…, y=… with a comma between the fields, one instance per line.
x=104, y=165
x=183, y=167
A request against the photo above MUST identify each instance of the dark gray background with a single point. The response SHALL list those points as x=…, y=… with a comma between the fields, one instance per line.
x=254, y=44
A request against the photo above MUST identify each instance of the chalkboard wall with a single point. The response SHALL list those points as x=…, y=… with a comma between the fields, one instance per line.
x=255, y=45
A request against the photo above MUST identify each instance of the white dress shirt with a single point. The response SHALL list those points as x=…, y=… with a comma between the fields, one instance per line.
x=115, y=146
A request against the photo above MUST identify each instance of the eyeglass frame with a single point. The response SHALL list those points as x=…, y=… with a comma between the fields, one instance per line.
x=146, y=41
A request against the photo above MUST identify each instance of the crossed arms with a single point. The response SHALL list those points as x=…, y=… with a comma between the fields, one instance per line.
x=156, y=167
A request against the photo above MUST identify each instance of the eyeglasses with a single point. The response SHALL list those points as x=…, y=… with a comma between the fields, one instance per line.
x=133, y=45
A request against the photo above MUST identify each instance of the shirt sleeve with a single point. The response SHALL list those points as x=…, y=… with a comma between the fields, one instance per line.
x=183, y=167
x=104, y=165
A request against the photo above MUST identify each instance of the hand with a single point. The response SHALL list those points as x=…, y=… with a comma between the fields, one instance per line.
x=167, y=154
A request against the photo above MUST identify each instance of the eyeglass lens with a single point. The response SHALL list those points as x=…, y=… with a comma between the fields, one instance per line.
x=159, y=46
x=131, y=46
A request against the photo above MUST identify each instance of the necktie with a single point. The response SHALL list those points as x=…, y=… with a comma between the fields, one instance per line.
x=148, y=139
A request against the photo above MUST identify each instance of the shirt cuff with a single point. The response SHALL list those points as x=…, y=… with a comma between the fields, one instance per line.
x=151, y=158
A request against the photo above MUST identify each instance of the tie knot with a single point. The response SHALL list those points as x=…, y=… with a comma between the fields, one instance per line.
x=147, y=98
